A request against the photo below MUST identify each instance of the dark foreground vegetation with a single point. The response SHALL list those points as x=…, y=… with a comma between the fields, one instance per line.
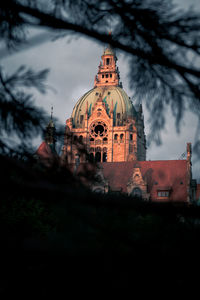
x=57, y=237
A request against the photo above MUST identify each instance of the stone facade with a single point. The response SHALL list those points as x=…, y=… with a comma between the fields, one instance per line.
x=106, y=128
x=105, y=121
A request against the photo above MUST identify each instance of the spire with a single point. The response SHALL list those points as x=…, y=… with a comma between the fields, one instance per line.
x=49, y=134
x=52, y=113
x=108, y=74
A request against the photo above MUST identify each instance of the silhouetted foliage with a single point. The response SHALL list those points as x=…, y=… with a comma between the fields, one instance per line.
x=20, y=119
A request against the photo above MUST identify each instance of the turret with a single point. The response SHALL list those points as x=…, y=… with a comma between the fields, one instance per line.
x=50, y=133
x=108, y=73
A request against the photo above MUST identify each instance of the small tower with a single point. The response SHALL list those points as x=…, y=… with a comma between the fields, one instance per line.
x=108, y=73
x=50, y=132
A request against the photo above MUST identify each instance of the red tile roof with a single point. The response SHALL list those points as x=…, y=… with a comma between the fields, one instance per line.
x=158, y=174
x=44, y=151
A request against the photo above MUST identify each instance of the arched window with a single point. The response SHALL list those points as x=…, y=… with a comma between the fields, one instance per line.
x=104, y=154
x=75, y=138
x=105, y=141
x=80, y=139
x=131, y=137
x=136, y=192
x=115, y=137
x=107, y=61
x=98, y=156
x=91, y=141
x=121, y=138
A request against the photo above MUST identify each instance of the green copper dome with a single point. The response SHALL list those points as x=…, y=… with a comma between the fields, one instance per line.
x=122, y=105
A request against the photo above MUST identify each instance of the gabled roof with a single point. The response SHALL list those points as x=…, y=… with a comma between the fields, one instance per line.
x=161, y=174
x=45, y=151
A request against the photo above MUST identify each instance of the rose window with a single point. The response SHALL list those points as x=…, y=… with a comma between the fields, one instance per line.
x=98, y=129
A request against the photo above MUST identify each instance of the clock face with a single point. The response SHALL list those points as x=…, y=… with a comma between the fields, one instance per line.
x=98, y=128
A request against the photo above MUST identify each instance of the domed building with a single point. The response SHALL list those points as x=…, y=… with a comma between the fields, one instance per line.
x=106, y=121
x=106, y=128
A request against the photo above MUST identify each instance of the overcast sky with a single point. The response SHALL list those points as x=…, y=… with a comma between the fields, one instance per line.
x=73, y=66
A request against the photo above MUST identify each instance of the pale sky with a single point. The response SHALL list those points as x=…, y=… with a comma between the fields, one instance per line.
x=73, y=66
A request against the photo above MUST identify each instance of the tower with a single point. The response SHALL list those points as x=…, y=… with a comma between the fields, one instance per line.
x=105, y=121
x=49, y=134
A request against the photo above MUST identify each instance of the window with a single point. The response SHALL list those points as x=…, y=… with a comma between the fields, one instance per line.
x=91, y=141
x=80, y=139
x=163, y=193
x=97, y=94
x=105, y=141
x=108, y=93
x=102, y=76
x=104, y=154
x=131, y=137
x=136, y=192
x=106, y=75
x=98, y=156
x=107, y=61
x=121, y=137
x=81, y=118
x=118, y=115
x=116, y=137
x=110, y=75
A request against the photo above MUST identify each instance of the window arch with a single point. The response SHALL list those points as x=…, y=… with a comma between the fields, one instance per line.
x=136, y=192
x=98, y=156
x=104, y=154
x=80, y=139
x=107, y=61
x=91, y=141
x=105, y=140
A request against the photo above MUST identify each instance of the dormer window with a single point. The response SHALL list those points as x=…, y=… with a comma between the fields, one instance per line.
x=163, y=194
